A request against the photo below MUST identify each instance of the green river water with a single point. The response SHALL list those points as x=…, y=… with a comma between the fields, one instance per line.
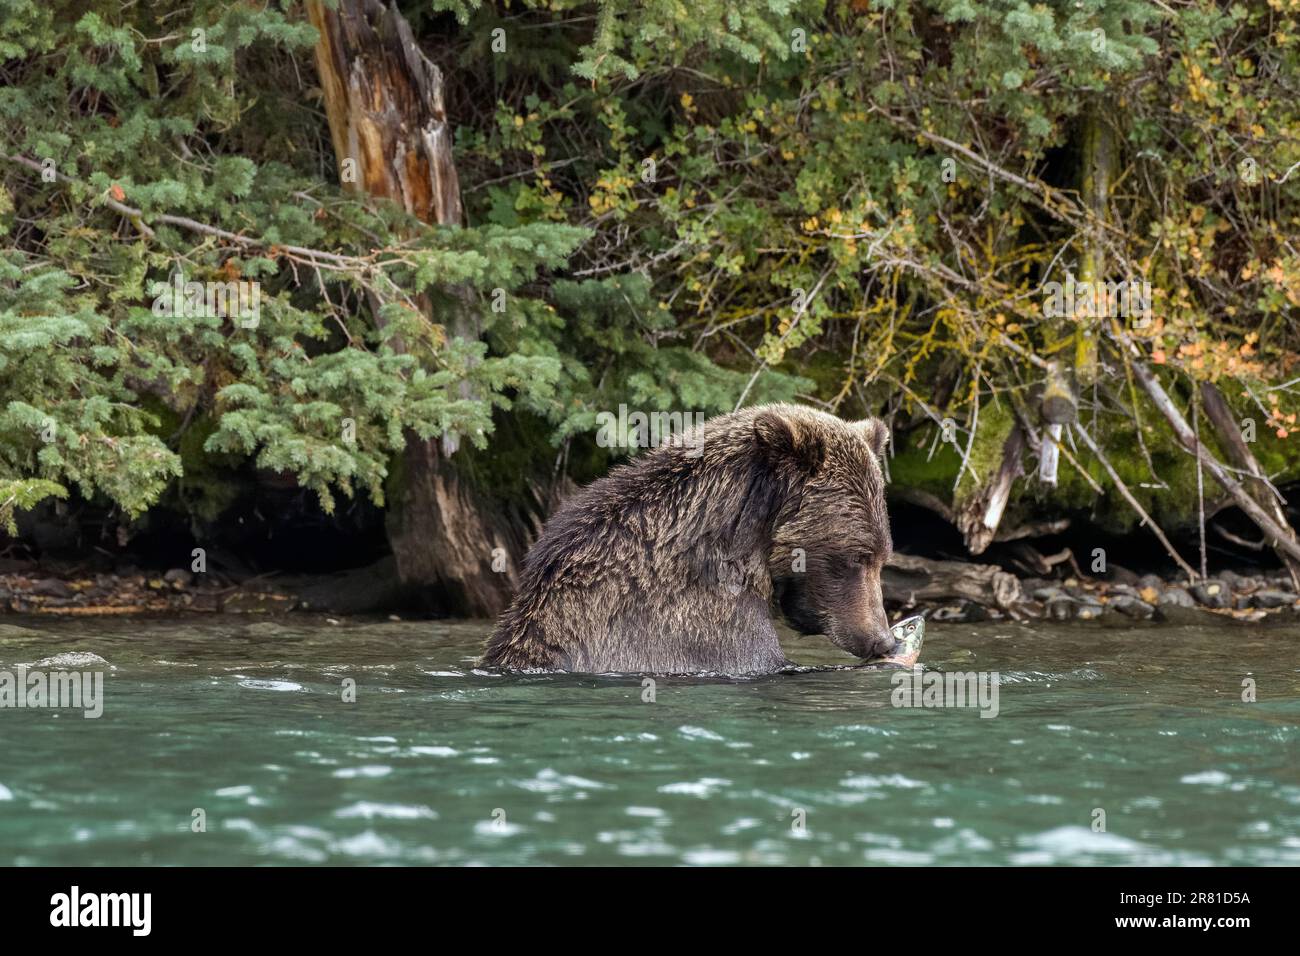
x=435, y=763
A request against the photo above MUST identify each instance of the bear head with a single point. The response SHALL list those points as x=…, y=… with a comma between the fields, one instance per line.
x=830, y=537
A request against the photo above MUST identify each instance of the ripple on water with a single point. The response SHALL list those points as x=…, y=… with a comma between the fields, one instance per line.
x=706, y=787
x=1213, y=778
x=894, y=781
x=371, y=771
x=367, y=810
x=253, y=683
x=551, y=781
x=699, y=733
x=1078, y=844
x=73, y=659
x=706, y=856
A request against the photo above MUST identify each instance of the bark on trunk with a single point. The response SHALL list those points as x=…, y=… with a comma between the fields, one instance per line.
x=384, y=101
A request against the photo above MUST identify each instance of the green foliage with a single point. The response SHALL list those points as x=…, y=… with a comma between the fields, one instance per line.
x=672, y=206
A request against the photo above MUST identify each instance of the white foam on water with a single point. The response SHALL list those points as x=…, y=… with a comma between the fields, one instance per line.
x=1212, y=777
x=371, y=772
x=872, y=782
x=705, y=787
x=699, y=733
x=434, y=751
x=551, y=781
x=280, y=685
x=72, y=659
x=708, y=857
x=366, y=810
x=644, y=812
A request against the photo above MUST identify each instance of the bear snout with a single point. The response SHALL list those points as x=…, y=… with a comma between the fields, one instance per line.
x=881, y=645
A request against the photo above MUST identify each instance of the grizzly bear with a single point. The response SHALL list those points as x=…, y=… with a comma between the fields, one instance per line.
x=671, y=564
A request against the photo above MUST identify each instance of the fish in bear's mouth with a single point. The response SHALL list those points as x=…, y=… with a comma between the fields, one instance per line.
x=910, y=634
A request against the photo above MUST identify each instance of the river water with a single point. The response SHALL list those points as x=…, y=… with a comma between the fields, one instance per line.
x=228, y=742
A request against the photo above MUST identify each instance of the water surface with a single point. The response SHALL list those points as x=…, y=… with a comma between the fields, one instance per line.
x=435, y=763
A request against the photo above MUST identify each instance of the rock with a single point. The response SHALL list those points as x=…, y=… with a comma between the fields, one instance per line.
x=1133, y=607
x=1211, y=594
x=1150, y=581
x=1061, y=608
x=1180, y=614
x=1121, y=575
x=1268, y=599
x=1176, y=597
x=178, y=577
x=50, y=587
x=1089, y=610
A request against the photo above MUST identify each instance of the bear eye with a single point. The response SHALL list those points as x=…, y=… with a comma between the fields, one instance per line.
x=863, y=558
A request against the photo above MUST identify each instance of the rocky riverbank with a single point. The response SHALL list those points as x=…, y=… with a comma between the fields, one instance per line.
x=965, y=591
x=943, y=590
x=50, y=588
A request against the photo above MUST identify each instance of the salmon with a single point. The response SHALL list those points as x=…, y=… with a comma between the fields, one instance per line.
x=910, y=634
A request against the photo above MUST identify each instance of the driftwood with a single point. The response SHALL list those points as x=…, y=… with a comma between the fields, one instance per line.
x=1260, y=488
x=1034, y=529
x=908, y=580
x=980, y=515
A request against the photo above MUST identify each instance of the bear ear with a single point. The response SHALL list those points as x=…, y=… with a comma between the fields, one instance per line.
x=876, y=434
x=786, y=442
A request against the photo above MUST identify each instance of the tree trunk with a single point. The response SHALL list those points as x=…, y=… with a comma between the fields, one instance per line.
x=384, y=101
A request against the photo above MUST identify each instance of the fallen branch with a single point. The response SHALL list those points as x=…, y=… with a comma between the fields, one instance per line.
x=1034, y=529
x=926, y=500
x=1279, y=536
x=1235, y=447
x=1238, y=539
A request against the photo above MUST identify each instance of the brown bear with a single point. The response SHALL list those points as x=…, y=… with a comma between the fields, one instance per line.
x=671, y=563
